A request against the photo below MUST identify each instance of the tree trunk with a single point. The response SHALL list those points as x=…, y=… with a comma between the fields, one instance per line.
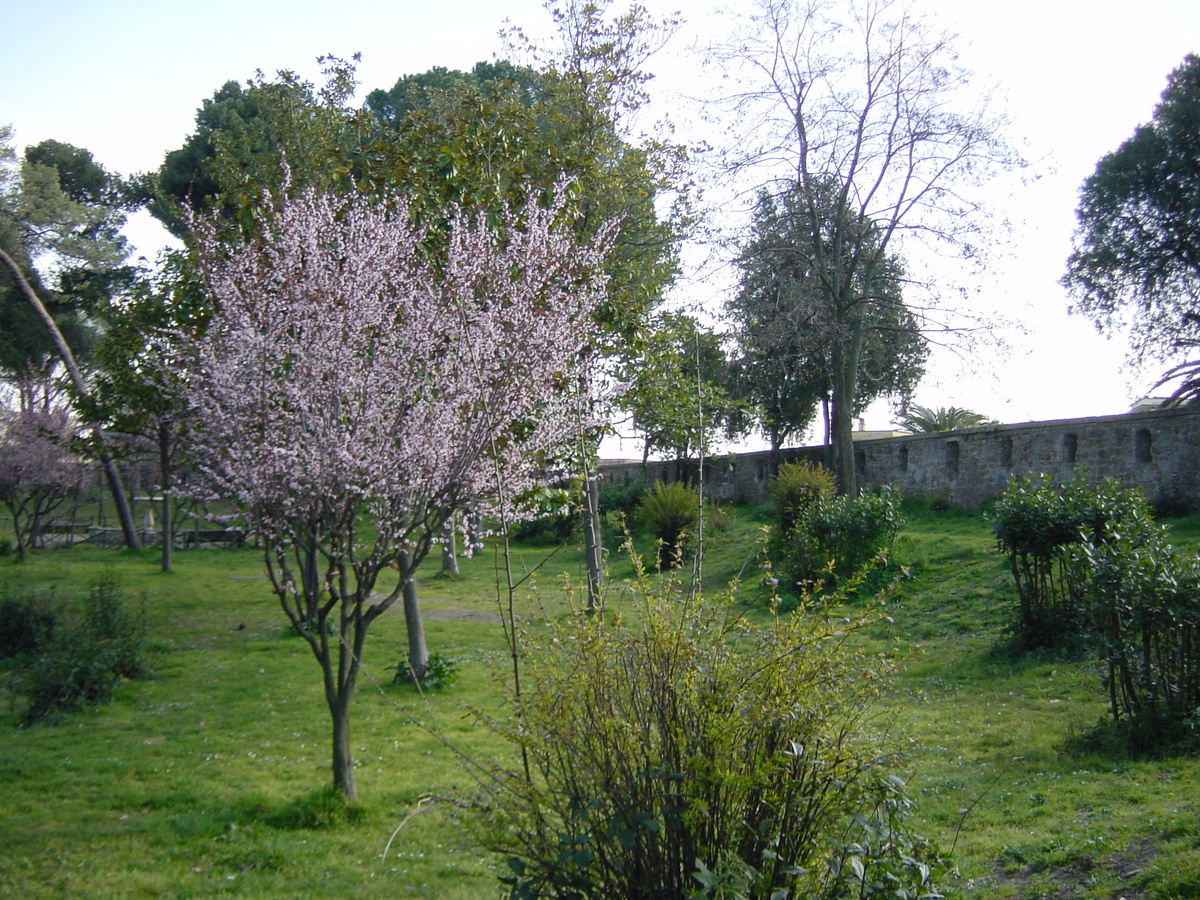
x=843, y=442
x=450, y=547
x=844, y=383
x=828, y=440
x=168, y=514
x=343, y=759
x=418, y=654
x=592, y=546
x=168, y=531
x=68, y=361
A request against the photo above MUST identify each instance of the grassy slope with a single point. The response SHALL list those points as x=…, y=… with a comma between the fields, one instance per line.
x=198, y=783
x=991, y=772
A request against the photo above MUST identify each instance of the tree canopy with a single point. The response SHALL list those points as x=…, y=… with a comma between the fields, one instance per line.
x=1136, y=261
x=677, y=388
x=863, y=113
x=60, y=208
x=350, y=395
x=924, y=420
x=794, y=331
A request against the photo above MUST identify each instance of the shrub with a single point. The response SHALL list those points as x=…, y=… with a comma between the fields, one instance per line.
x=1146, y=607
x=621, y=498
x=670, y=512
x=440, y=671
x=87, y=656
x=798, y=488
x=836, y=539
x=26, y=624
x=1037, y=526
x=698, y=754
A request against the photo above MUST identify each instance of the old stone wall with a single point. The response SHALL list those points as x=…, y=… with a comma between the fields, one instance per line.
x=1157, y=450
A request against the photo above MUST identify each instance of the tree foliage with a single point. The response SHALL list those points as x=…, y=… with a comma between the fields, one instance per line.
x=258, y=141
x=61, y=210
x=482, y=138
x=677, y=391
x=38, y=470
x=794, y=330
x=924, y=420
x=350, y=395
x=863, y=113
x=1136, y=260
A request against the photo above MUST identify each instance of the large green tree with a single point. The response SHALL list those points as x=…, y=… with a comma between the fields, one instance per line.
x=677, y=396
x=797, y=336
x=863, y=113
x=62, y=206
x=258, y=141
x=479, y=140
x=1136, y=262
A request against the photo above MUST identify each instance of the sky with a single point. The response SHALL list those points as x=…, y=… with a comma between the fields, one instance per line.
x=123, y=78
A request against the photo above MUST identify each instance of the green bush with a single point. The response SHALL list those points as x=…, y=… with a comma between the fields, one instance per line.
x=621, y=498
x=26, y=624
x=1145, y=603
x=699, y=754
x=559, y=520
x=440, y=671
x=670, y=512
x=1038, y=525
x=798, y=488
x=835, y=540
x=87, y=656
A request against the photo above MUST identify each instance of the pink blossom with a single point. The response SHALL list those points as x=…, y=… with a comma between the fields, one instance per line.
x=351, y=392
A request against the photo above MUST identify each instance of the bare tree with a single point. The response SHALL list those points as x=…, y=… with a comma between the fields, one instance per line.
x=862, y=113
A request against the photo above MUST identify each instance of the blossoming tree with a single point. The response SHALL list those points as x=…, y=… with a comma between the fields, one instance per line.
x=351, y=392
x=38, y=471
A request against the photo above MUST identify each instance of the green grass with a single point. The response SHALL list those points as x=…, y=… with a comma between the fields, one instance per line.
x=209, y=779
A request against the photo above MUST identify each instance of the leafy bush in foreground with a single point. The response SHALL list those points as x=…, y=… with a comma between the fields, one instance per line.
x=699, y=754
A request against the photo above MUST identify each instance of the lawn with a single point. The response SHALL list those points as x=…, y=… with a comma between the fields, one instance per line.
x=208, y=778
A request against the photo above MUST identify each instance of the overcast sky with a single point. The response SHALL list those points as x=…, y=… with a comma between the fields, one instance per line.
x=123, y=78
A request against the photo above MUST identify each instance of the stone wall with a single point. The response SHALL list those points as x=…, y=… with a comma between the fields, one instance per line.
x=1157, y=450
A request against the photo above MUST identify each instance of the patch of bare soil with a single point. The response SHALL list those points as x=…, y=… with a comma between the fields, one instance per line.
x=1069, y=881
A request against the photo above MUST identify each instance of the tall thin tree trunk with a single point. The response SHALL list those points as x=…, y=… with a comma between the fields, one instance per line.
x=844, y=382
x=828, y=440
x=418, y=654
x=450, y=547
x=68, y=360
x=592, y=547
x=168, y=514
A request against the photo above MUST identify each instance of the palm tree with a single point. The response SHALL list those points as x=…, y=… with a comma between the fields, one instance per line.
x=922, y=420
